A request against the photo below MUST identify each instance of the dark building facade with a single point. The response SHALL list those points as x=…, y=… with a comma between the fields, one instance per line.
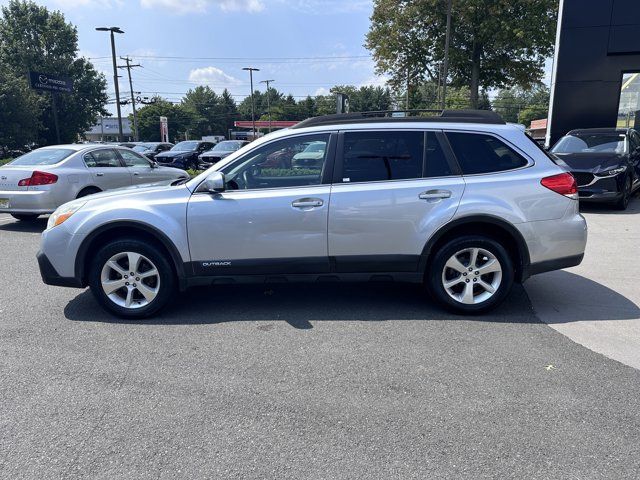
x=596, y=76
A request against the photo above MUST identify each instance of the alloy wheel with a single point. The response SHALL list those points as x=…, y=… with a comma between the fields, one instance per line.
x=130, y=280
x=472, y=276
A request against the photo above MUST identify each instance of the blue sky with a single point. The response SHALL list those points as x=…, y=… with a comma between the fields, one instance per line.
x=306, y=46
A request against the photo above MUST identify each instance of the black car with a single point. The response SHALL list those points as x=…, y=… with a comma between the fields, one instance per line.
x=605, y=162
x=184, y=154
x=151, y=149
x=220, y=151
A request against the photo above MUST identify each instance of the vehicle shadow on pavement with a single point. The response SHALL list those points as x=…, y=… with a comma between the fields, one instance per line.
x=300, y=304
x=632, y=209
x=35, y=226
x=565, y=297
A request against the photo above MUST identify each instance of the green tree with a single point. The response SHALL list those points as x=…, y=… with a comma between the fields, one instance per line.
x=180, y=120
x=34, y=38
x=494, y=43
x=19, y=112
x=365, y=99
x=522, y=106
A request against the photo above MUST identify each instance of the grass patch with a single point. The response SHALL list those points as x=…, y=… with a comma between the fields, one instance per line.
x=4, y=161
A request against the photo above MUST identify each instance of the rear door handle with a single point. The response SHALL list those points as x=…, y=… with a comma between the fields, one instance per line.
x=99, y=174
x=307, y=203
x=136, y=173
x=435, y=195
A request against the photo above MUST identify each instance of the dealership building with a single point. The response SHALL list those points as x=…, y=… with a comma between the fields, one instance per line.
x=596, y=72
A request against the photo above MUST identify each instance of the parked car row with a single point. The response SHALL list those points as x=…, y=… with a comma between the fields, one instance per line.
x=40, y=181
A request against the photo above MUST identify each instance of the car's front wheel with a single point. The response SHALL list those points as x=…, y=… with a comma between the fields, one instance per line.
x=131, y=278
x=471, y=274
x=623, y=203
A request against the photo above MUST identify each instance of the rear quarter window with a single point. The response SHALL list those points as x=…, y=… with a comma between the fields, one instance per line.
x=477, y=153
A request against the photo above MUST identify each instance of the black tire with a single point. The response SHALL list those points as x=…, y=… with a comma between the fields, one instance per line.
x=25, y=217
x=149, y=250
x=434, y=276
x=623, y=203
x=88, y=191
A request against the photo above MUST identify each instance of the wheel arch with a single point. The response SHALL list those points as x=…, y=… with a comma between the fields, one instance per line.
x=131, y=229
x=489, y=226
x=89, y=187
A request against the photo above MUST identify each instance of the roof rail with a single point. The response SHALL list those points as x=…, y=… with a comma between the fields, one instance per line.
x=448, y=116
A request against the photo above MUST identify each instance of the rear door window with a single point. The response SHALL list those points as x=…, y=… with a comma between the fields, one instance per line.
x=379, y=156
x=436, y=164
x=106, y=158
x=477, y=153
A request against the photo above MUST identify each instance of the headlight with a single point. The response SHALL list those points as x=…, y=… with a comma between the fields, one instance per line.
x=63, y=213
x=612, y=172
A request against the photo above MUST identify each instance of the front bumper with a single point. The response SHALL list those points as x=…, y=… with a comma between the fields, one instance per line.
x=38, y=201
x=51, y=277
x=602, y=189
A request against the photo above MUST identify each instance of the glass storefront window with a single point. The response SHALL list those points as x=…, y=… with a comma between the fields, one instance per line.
x=629, y=107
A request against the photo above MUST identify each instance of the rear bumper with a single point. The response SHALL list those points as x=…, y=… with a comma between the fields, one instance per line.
x=51, y=277
x=555, y=264
x=39, y=201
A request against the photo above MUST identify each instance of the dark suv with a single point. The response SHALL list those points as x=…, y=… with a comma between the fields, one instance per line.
x=151, y=149
x=605, y=162
x=184, y=154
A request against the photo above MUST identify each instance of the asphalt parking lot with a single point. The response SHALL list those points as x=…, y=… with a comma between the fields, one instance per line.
x=325, y=381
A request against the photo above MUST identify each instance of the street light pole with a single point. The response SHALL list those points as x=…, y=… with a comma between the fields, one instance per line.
x=268, y=101
x=447, y=41
x=115, y=74
x=253, y=108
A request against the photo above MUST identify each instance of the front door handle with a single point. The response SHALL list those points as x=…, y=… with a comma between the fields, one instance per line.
x=99, y=174
x=435, y=195
x=307, y=203
x=136, y=173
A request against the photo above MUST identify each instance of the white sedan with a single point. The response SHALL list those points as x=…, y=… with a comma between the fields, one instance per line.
x=40, y=181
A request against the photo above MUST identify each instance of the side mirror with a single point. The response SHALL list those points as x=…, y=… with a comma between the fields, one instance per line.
x=154, y=164
x=214, y=183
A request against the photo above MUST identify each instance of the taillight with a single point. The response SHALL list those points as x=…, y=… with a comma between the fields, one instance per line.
x=38, y=178
x=564, y=184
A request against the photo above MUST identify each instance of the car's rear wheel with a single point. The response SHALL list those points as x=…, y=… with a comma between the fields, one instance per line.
x=471, y=274
x=88, y=191
x=131, y=278
x=623, y=203
x=25, y=217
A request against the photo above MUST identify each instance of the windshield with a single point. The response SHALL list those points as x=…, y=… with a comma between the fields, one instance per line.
x=315, y=147
x=44, y=156
x=593, y=143
x=141, y=148
x=226, y=147
x=185, y=146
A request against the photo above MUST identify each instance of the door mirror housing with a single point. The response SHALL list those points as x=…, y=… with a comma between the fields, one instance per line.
x=214, y=183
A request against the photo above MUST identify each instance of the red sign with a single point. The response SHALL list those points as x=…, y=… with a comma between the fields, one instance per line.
x=539, y=124
x=264, y=124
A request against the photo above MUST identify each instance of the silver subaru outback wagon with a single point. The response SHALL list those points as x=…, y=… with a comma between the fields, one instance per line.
x=461, y=202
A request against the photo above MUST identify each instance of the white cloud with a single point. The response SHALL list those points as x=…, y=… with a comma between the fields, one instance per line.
x=214, y=77
x=375, y=81
x=329, y=7
x=88, y=3
x=200, y=6
x=322, y=91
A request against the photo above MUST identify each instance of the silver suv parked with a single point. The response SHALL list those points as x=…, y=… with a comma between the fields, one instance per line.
x=461, y=202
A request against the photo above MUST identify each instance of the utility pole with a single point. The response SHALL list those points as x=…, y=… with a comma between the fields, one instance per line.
x=447, y=42
x=115, y=74
x=253, y=107
x=129, y=66
x=268, y=101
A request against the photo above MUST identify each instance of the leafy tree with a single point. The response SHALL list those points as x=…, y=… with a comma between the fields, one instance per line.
x=34, y=38
x=522, y=106
x=19, y=112
x=365, y=99
x=494, y=43
x=180, y=120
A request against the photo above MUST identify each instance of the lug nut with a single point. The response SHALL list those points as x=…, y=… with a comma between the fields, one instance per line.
x=127, y=284
x=126, y=276
x=132, y=274
x=477, y=273
x=137, y=279
x=464, y=274
x=134, y=284
x=470, y=269
x=467, y=280
x=475, y=280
